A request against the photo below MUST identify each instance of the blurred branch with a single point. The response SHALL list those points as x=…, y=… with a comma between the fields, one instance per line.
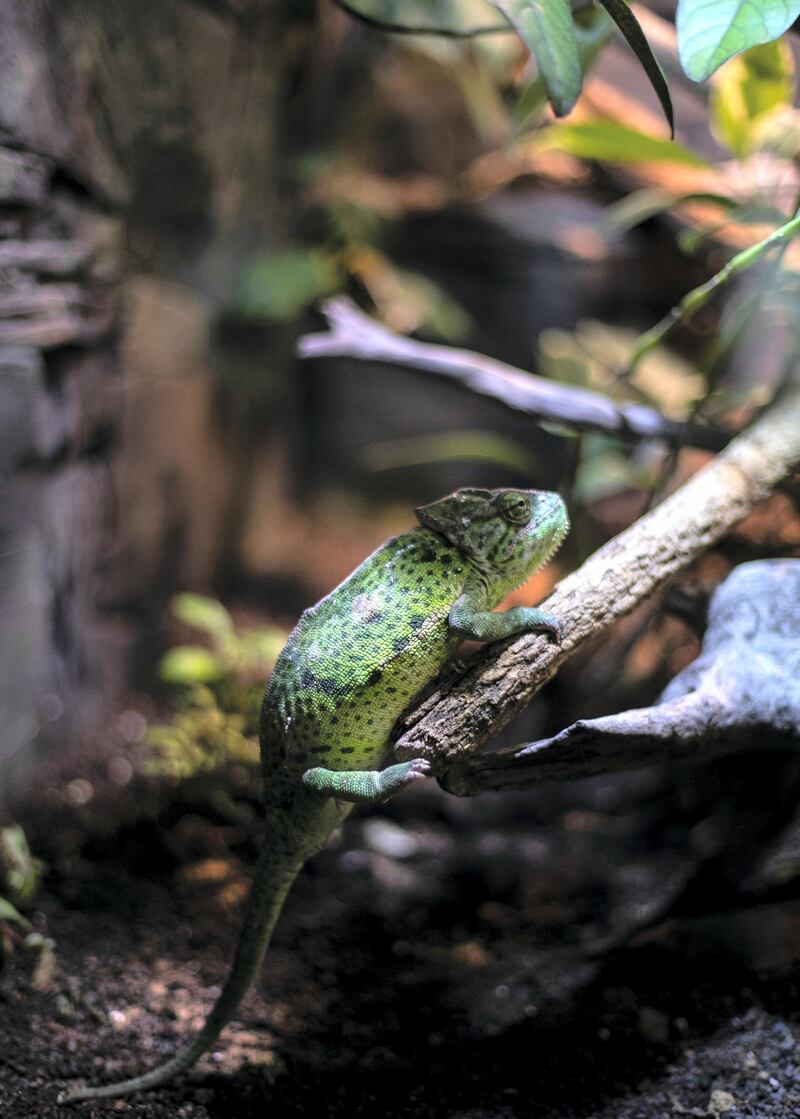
x=355, y=335
x=452, y=722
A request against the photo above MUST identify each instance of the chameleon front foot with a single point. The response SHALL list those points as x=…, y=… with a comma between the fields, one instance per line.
x=487, y=625
x=365, y=786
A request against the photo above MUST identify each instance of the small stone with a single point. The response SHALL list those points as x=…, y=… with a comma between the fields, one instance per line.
x=720, y=1102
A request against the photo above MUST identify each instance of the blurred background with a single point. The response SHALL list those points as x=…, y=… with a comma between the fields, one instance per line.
x=182, y=184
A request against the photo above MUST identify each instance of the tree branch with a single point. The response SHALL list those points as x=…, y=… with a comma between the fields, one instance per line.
x=451, y=723
x=355, y=335
x=742, y=690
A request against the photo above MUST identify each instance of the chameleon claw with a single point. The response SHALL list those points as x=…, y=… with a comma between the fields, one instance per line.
x=418, y=768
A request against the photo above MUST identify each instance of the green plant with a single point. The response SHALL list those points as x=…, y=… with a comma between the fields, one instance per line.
x=20, y=875
x=220, y=684
x=556, y=31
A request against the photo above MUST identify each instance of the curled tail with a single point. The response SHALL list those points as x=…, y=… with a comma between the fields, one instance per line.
x=274, y=874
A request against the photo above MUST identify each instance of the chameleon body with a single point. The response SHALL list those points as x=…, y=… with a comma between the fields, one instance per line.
x=349, y=669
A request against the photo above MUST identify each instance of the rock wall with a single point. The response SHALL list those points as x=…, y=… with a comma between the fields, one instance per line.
x=60, y=384
x=137, y=169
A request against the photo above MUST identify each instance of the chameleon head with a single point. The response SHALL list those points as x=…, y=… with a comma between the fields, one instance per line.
x=512, y=532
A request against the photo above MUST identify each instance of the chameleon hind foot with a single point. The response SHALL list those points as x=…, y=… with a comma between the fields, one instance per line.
x=365, y=786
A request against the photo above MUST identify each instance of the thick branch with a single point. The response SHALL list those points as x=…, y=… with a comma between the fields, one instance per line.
x=354, y=335
x=450, y=725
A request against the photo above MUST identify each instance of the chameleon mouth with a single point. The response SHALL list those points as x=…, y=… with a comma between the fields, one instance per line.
x=555, y=544
x=558, y=539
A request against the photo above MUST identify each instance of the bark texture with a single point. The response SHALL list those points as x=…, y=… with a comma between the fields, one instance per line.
x=138, y=152
x=60, y=385
x=450, y=725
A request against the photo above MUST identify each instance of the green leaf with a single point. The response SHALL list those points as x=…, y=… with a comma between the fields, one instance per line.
x=279, y=285
x=641, y=205
x=546, y=27
x=452, y=446
x=601, y=472
x=613, y=142
x=202, y=613
x=712, y=31
x=9, y=913
x=19, y=870
x=190, y=664
x=592, y=31
x=629, y=26
x=749, y=89
x=263, y=644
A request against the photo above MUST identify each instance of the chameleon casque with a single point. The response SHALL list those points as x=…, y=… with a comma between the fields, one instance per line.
x=349, y=669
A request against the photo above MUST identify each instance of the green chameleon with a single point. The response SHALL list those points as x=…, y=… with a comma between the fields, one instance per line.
x=350, y=668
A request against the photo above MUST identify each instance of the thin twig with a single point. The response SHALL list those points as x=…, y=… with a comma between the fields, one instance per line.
x=699, y=296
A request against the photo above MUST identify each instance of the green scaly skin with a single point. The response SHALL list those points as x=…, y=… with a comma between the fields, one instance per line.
x=349, y=669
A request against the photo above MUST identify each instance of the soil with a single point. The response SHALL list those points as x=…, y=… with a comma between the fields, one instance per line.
x=439, y=959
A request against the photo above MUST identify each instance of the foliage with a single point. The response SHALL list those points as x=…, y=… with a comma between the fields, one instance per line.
x=617, y=143
x=750, y=106
x=19, y=870
x=278, y=286
x=548, y=30
x=220, y=688
x=202, y=736
x=20, y=874
x=591, y=35
x=749, y=94
x=751, y=113
x=709, y=34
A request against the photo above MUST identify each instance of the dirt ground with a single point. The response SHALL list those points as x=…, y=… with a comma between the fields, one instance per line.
x=435, y=960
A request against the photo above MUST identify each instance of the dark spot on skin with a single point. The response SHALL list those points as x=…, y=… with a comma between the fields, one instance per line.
x=331, y=687
x=374, y=676
x=416, y=621
x=326, y=684
x=399, y=644
x=319, y=749
x=347, y=750
x=427, y=555
x=445, y=558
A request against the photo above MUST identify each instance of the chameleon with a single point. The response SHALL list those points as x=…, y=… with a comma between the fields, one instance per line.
x=349, y=669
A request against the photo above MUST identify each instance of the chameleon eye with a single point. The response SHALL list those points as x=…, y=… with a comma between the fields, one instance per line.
x=515, y=507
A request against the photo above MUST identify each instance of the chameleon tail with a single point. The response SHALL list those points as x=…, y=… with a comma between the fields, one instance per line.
x=274, y=874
